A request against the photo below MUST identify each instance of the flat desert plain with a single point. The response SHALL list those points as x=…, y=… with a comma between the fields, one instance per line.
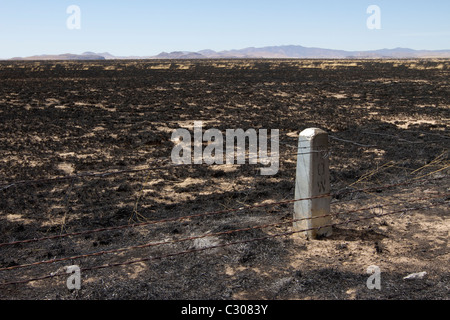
x=77, y=138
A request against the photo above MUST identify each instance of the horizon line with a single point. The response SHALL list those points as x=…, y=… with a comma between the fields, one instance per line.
x=221, y=51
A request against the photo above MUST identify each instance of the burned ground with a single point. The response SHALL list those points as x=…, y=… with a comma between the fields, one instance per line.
x=387, y=121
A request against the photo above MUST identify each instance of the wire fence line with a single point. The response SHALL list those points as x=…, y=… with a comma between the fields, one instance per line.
x=353, y=142
x=443, y=198
x=337, y=195
x=195, y=250
x=401, y=139
x=217, y=212
x=152, y=244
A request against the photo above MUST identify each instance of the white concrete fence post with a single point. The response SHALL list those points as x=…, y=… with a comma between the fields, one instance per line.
x=312, y=180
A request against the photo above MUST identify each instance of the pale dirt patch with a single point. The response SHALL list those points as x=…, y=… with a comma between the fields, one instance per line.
x=68, y=168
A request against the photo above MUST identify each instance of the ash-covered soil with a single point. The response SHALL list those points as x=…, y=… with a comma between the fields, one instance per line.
x=388, y=123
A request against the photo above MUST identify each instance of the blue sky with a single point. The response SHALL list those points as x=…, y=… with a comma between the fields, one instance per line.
x=138, y=27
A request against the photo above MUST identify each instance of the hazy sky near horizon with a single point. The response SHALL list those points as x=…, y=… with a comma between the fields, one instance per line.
x=142, y=28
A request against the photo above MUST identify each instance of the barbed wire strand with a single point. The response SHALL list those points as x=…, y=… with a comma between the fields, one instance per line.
x=208, y=235
x=52, y=275
x=203, y=214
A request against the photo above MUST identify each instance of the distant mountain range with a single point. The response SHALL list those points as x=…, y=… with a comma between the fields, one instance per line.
x=273, y=52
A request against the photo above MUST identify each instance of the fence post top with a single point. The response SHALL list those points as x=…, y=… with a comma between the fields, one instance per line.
x=311, y=132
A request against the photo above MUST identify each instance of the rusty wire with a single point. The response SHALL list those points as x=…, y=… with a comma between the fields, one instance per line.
x=134, y=225
x=207, y=235
x=129, y=262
